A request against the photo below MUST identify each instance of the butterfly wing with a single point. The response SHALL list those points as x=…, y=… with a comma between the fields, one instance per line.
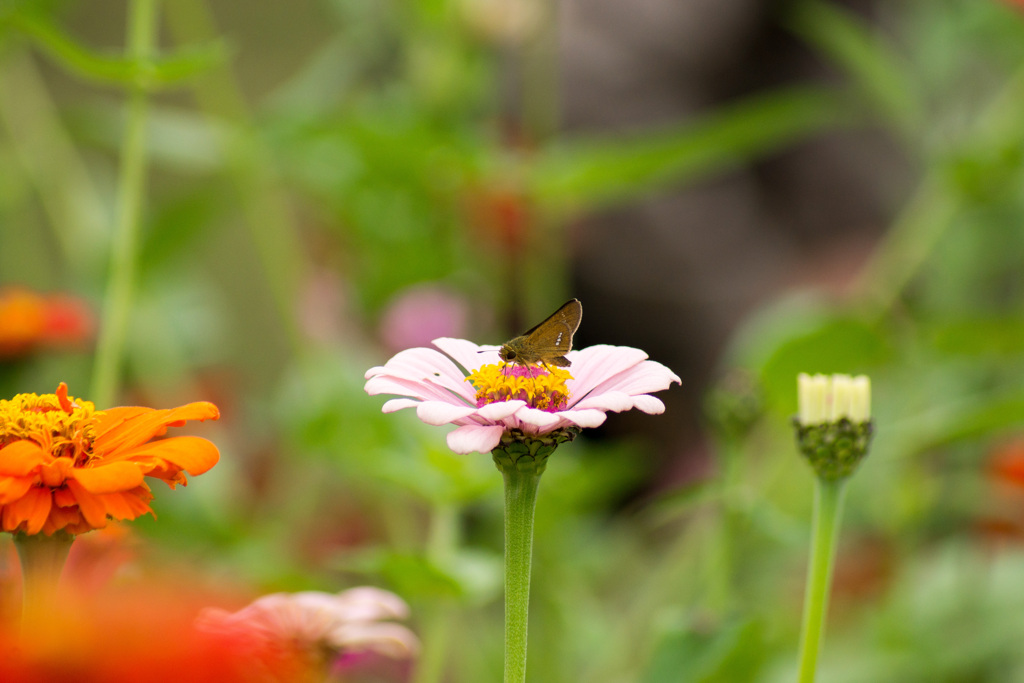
x=552, y=339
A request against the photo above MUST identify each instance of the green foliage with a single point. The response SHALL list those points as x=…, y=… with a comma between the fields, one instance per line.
x=169, y=70
x=695, y=653
x=284, y=215
x=587, y=174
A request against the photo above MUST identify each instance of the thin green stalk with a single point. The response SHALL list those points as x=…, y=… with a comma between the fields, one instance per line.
x=52, y=164
x=909, y=243
x=933, y=208
x=42, y=560
x=828, y=508
x=520, y=501
x=251, y=166
x=721, y=556
x=130, y=199
x=538, y=58
x=436, y=634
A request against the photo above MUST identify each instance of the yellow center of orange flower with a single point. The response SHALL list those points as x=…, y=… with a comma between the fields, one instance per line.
x=62, y=425
x=541, y=388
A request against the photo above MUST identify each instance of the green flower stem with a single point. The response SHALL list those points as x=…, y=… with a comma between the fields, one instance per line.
x=42, y=561
x=130, y=198
x=521, y=481
x=521, y=459
x=828, y=508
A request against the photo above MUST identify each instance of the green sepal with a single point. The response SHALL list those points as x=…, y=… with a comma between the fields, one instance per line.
x=834, y=449
x=529, y=452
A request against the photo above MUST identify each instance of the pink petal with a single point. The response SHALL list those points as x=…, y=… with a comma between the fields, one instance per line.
x=388, y=639
x=466, y=353
x=615, y=401
x=414, y=364
x=420, y=366
x=642, y=379
x=500, y=410
x=595, y=364
x=437, y=413
x=585, y=418
x=475, y=438
x=422, y=389
x=649, y=404
x=537, y=418
x=397, y=404
x=367, y=602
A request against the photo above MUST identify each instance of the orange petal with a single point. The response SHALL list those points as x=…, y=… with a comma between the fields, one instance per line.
x=32, y=508
x=90, y=505
x=7, y=519
x=124, y=505
x=13, y=488
x=139, y=500
x=193, y=454
x=111, y=418
x=62, y=396
x=61, y=517
x=108, y=478
x=19, y=458
x=64, y=498
x=126, y=427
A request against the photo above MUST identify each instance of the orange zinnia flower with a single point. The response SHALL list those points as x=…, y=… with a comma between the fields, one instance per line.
x=66, y=466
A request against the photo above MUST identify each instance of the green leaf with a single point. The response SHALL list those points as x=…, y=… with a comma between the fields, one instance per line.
x=806, y=336
x=80, y=60
x=596, y=172
x=977, y=335
x=472, y=576
x=879, y=72
x=696, y=654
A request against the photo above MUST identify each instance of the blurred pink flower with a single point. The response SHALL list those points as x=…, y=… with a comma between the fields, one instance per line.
x=421, y=313
x=312, y=622
x=494, y=399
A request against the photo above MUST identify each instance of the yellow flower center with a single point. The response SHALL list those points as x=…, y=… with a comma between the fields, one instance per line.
x=541, y=388
x=64, y=426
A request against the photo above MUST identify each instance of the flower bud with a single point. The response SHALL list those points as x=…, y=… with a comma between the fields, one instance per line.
x=833, y=425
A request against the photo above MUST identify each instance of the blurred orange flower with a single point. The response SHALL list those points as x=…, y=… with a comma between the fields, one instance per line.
x=1002, y=508
x=65, y=465
x=141, y=633
x=29, y=320
x=1006, y=464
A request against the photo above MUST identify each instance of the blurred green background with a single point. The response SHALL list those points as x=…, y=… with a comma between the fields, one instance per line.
x=746, y=191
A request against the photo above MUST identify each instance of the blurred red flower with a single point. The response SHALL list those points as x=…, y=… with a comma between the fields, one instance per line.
x=143, y=634
x=29, y=320
x=1002, y=519
x=1007, y=462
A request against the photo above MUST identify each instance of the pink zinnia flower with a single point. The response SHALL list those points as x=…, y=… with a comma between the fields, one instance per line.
x=311, y=621
x=467, y=385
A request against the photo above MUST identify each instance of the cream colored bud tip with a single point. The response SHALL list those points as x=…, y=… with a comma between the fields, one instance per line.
x=823, y=398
